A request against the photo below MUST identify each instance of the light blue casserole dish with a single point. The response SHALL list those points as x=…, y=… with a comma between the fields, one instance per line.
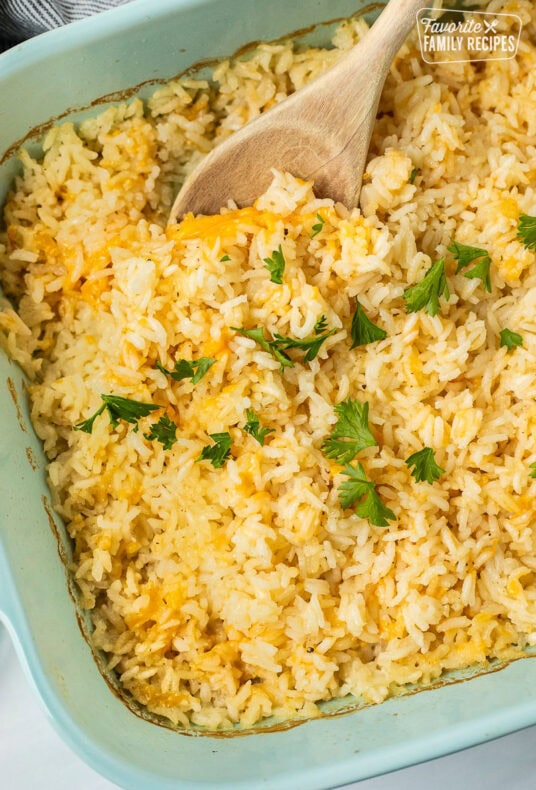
x=69, y=68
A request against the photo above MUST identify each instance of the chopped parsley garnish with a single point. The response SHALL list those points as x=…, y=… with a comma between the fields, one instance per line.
x=424, y=466
x=526, y=231
x=118, y=408
x=311, y=345
x=532, y=468
x=321, y=325
x=276, y=266
x=351, y=433
x=253, y=427
x=164, y=431
x=225, y=258
x=425, y=294
x=363, y=331
x=318, y=226
x=358, y=488
x=218, y=452
x=413, y=175
x=510, y=339
x=481, y=271
x=465, y=255
x=267, y=345
x=280, y=344
x=193, y=369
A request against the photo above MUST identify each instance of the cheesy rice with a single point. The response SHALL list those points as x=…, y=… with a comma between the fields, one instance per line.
x=222, y=595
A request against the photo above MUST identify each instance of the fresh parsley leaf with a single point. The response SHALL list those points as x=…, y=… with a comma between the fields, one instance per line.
x=218, y=452
x=225, y=258
x=267, y=345
x=481, y=270
x=321, y=325
x=351, y=433
x=532, y=468
x=355, y=487
x=510, y=339
x=276, y=266
x=280, y=344
x=424, y=466
x=253, y=427
x=311, y=345
x=87, y=425
x=255, y=334
x=369, y=506
x=363, y=331
x=373, y=509
x=193, y=369
x=318, y=226
x=164, y=431
x=425, y=294
x=128, y=410
x=465, y=255
x=526, y=231
x=118, y=408
x=413, y=175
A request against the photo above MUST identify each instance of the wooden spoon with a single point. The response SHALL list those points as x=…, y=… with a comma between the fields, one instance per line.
x=321, y=133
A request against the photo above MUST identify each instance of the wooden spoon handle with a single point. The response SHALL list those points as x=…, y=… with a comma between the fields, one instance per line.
x=388, y=33
x=348, y=96
x=369, y=61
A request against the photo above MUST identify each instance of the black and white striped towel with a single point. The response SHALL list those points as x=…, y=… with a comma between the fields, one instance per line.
x=21, y=19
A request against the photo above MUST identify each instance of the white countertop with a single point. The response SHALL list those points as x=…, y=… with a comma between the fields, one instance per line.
x=32, y=755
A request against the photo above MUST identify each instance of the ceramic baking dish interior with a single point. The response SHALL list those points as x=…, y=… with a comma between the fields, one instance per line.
x=42, y=79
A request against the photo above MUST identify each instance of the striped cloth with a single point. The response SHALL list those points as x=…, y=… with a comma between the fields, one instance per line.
x=21, y=19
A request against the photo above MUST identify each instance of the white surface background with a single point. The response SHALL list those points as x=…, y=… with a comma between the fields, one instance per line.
x=32, y=755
